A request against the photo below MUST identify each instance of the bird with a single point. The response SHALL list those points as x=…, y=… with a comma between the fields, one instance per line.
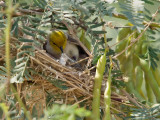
x=72, y=51
x=58, y=43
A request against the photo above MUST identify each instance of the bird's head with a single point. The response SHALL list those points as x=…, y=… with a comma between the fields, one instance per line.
x=58, y=40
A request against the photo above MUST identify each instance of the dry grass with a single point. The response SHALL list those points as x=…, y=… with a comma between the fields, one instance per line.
x=79, y=84
x=42, y=91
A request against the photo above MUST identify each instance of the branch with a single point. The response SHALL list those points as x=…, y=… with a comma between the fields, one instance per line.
x=22, y=12
x=153, y=16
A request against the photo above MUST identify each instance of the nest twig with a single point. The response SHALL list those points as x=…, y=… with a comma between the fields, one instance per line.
x=79, y=83
x=41, y=91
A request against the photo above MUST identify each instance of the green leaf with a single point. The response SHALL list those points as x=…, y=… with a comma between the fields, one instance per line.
x=28, y=33
x=29, y=28
x=23, y=52
x=27, y=47
x=20, y=59
x=149, y=2
x=69, y=20
x=33, y=22
x=42, y=32
x=19, y=69
x=97, y=25
x=20, y=65
x=95, y=19
x=26, y=40
x=46, y=25
x=37, y=2
x=3, y=73
x=3, y=68
x=15, y=27
x=35, y=19
x=99, y=32
x=27, y=75
x=40, y=37
x=81, y=112
x=42, y=2
x=46, y=20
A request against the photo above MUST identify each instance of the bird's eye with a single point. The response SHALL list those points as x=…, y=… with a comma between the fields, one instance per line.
x=61, y=48
x=54, y=43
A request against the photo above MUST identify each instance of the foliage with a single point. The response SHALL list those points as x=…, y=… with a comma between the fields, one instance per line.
x=151, y=113
x=5, y=110
x=33, y=20
x=153, y=57
x=65, y=112
x=133, y=10
x=138, y=70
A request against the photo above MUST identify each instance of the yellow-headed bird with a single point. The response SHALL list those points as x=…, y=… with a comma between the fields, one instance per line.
x=57, y=44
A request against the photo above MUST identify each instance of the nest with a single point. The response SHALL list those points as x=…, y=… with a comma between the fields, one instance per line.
x=78, y=85
x=61, y=84
x=56, y=83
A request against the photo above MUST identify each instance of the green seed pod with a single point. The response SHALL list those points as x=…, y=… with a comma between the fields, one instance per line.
x=139, y=78
x=156, y=74
x=128, y=61
x=150, y=94
x=131, y=89
x=123, y=33
x=150, y=78
x=130, y=39
x=101, y=65
x=139, y=43
x=121, y=46
x=135, y=60
x=97, y=87
x=144, y=48
x=135, y=63
x=122, y=38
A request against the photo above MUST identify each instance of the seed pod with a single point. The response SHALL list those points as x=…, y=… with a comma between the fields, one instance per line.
x=149, y=91
x=122, y=36
x=156, y=74
x=121, y=46
x=127, y=61
x=97, y=86
x=131, y=89
x=123, y=33
x=139, y=78
x=150, y=78
x=138, y=47
x=144, y=48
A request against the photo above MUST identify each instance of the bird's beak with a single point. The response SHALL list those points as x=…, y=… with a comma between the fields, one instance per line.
x=61, y=48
